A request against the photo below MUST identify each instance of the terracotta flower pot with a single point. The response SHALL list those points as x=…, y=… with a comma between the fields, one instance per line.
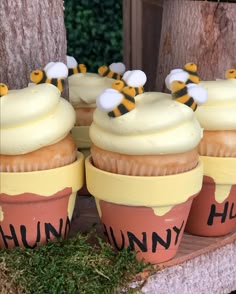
x=37, y=207
x=146, y=214
x=213, y=212
x=83, y=142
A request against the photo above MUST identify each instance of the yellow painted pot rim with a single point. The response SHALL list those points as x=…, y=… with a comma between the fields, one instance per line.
x=143, y=191
x=221, y=169
x=45, y=182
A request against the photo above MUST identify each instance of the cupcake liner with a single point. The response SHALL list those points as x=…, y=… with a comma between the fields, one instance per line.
x=218, y=144
x=49, y=157
x=143, y=165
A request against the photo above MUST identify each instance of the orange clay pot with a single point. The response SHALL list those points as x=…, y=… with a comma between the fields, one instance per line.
x=37, y=207
x=213, y=212
x=145, y=214
x=83, y=142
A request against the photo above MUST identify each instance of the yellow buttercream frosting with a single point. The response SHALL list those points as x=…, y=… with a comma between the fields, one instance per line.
x=85, y=87
x=219, y=111
x=157, y=125
x=32, y=118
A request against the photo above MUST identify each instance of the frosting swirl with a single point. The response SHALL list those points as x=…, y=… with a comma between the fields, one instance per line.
x=32, y=118
x=85, y=87
x=157, y=125
x=219, y=111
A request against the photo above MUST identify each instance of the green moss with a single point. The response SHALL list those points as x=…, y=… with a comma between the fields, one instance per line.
x=70, y=266
x=94, y=31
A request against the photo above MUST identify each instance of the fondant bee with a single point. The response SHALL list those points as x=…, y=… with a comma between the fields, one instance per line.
x=191, y=69
x=53, y=73
x=113, y=71
x=120, y=100
x=74, y=67
x=117, y=103
x=3, y=89
x=230, y=73
x=187, y=75
x=132, y=78
x=191, y=95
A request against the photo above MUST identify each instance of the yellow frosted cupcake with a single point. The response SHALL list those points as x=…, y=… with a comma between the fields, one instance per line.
x=40, y=168
x=148, y=134
x=32, y=135
x=144, y=169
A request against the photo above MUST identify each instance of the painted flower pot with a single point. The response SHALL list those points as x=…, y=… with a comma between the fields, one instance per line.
x=145, y=214
x=213, y=212
x=83, y=142
x=37, y=207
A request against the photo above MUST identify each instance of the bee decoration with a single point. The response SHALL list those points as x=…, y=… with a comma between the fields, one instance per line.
x=74, y=67
x=117, y=103
x=53, y=73
x=132, y=78
x=191, y=95
x=3, y=89
x=191, y=69
x=230, y=73
x=187, y=75
x=113, y=71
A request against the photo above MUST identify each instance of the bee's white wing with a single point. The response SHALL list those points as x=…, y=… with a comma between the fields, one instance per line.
x=176, y=75
x=58, y=70
x=48, y=65
x=71, y=62
x=136, y=78
x=118, y=67
x=109, y=99
x=126, y=75
x=198, y=93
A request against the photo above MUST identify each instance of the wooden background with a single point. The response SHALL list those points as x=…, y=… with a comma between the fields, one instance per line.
x=160, y=35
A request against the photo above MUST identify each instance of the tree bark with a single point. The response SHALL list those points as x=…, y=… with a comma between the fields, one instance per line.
x=197, y=31
x=32, y=34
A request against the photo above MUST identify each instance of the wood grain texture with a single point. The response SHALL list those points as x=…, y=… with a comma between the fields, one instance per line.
x=197, y=31
x=32, y=34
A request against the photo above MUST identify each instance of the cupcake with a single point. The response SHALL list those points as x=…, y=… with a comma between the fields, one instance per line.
x=213, y=213
x=84, y=87
x=144, y=166
x=37, y=158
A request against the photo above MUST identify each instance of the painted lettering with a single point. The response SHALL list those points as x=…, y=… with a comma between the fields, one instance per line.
x=232, y=214
x=227, y=213
x=43, y=230
x=13, y=237
x=140, y=243
x=178, y=231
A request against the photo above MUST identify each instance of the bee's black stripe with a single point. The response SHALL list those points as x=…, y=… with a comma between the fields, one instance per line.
x=180, y=93
x=122, y=109
x=44, y=78
x=116, y=76
x=189, y=102
x=128, y=97
x=106, y=72
x=70, y=72
x=138, y=91
x=124, y=82
x=54, y=82
x=193, y=73
x=111, y=114
x=189, y=82
x=195, y=107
